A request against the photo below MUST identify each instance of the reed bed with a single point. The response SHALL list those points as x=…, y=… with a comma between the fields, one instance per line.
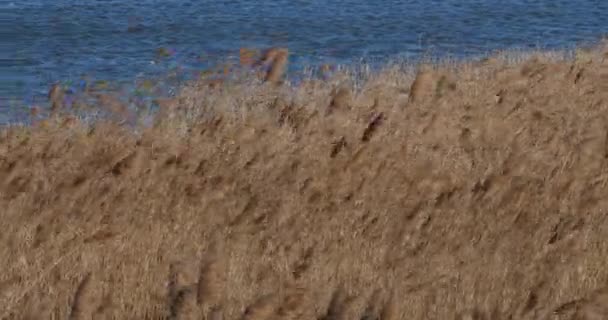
x=469, y=190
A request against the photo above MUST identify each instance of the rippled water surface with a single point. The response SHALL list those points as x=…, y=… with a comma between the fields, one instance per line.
x=118, y=40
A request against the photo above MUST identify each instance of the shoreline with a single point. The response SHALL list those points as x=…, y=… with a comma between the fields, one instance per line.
x=169, y=81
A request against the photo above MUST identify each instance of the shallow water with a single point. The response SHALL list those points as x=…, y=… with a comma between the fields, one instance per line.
x=118, y=40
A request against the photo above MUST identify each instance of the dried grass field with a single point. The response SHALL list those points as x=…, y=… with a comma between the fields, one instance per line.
x=469, y=190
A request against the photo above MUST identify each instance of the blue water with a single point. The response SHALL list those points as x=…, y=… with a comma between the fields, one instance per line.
x=117, y=40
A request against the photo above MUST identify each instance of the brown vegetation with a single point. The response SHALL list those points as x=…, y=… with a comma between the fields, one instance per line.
x=276, y=61
x=56, y=97
x=484, y=197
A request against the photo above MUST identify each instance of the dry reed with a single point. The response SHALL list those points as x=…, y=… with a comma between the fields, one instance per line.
x=479, y=196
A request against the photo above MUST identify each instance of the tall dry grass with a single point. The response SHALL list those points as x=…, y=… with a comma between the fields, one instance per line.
x=460, y=191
